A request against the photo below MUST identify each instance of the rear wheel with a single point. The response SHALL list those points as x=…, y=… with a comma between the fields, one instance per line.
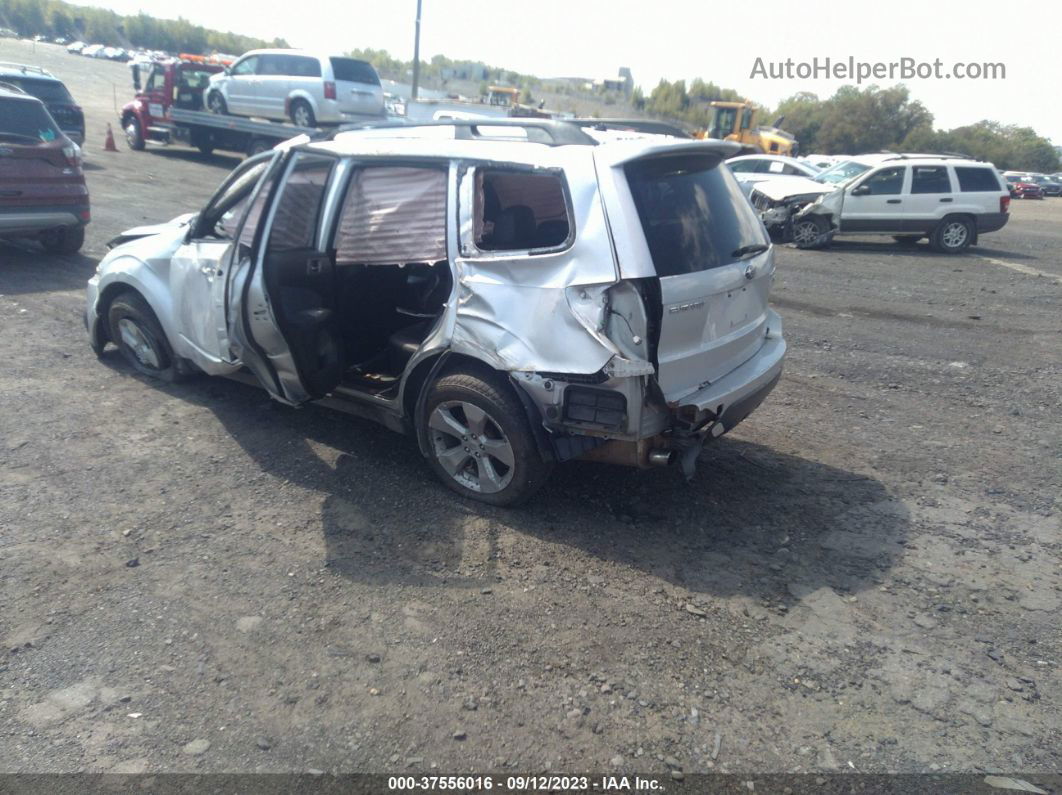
x=810, y=232
x=134, y=328
x=302, y=114
x=952, y=235
x=479, y=440
x=257, y=146
x=216, y=103
x=67, y=240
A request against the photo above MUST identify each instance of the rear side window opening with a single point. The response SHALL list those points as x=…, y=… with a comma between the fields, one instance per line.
x=693, y=214
x=354, y=71
x=973, y=179
x=520, y=210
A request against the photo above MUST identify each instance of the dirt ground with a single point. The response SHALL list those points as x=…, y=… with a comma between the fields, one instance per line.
x=864, y=576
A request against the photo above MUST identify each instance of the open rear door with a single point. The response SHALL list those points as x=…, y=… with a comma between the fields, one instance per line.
x=281, y=296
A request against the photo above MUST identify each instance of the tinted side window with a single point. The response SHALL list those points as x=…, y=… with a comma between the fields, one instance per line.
x=973, y=179
x=930, y=179
x=272, y=65
x=299, y=205
x=518, y=210
x=44, y=90
x=693, y=214
x=355, y=71
x=887, y=182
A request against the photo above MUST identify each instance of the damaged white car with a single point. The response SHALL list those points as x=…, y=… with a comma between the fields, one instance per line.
x=950, y=200
x=514, y=295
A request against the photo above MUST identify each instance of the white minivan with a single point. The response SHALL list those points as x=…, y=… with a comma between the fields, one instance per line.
x=306, y=88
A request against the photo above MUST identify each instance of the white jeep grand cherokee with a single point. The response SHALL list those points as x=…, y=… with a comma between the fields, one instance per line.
x=950, y=200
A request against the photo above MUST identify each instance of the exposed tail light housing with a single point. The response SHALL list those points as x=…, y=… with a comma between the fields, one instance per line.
x=1004, y=204
x=72, y=153
x=330, y=89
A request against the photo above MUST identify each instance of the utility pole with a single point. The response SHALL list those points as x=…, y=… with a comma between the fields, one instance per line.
x=416, y=54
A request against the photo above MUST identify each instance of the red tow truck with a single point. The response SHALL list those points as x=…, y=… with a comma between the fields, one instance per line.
x=169, y=108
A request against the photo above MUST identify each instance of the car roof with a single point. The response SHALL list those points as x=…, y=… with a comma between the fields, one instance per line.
x=783, y=158
x=293, y=51
x=26, y=70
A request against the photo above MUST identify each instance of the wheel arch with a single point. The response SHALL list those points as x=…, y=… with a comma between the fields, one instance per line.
x=444, y=362
x=967, y=216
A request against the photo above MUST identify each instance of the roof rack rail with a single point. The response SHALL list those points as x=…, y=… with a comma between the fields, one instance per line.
x=24, y=68
x=542, y=131
x=11, y=87
x=937, y=155
x=650, y=126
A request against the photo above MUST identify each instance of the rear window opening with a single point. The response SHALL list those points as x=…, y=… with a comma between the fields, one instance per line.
x=693, y=214
x=44, y=90
x=519, y=210
x=354, y=71
x=26, y=121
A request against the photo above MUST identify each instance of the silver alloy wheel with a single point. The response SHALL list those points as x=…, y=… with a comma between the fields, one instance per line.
x=132, y=133
x=216, y=103
x=955, y=234
x=805, y=232
x=471, y=446
x=135, y=339
x=301, y=115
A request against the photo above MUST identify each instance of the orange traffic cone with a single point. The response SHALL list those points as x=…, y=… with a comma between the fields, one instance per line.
x=108, y=145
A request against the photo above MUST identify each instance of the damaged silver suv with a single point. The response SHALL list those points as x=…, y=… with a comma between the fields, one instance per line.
x=514, y=295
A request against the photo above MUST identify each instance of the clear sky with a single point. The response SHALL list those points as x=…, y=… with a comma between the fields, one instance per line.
x=714, y=40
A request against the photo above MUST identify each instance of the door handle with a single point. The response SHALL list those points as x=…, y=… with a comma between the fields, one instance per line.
x=945, y=200
x=892, y=201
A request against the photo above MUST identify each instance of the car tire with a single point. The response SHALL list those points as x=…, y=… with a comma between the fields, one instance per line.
x=135, y=330
x=134, y=134
x=952, y=235
x=302, y=114
x=67, y=240
x=204, y=142
x=479, y=439
x=216, y=103
x=810, y=232
x=257, y=146
x=910, y=241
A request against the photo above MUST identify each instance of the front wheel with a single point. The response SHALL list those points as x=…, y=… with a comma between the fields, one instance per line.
x=134, y=134
x=810, y=232
x=136, y=331
x=952, y=235
x=479, y=440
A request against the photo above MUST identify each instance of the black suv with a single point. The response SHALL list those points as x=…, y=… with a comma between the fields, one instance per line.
x=50, y=90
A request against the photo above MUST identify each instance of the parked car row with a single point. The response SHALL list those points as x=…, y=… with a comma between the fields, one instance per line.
x=99, y=51
x=1025, y=185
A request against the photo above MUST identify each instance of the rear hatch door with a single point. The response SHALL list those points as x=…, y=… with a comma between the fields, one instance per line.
x=678, y=215
x=358, y=87
x=34, y=170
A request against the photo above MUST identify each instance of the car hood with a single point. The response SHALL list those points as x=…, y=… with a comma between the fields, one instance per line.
x=175, y=228
x=781, y=188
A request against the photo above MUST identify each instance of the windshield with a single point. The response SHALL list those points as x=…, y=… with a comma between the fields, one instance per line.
x=694, y=215
x=841, y=173
x=29, y=120
x=44, y=90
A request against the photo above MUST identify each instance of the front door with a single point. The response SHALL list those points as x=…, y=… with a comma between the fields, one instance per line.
x=197, y=269
x=281, y=303
x=241, y=93
x=875, y=203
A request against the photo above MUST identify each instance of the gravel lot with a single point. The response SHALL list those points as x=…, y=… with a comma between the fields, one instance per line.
x=864, y=576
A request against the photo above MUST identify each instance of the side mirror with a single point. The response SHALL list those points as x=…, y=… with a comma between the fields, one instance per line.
x=862, y=190
x=136, y=76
